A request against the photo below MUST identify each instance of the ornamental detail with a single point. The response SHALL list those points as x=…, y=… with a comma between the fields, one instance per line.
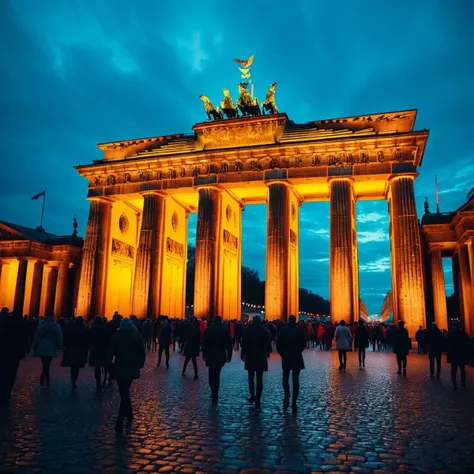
x=110, y=180
x=175, y=221
x=174, y=248
x=124, y=225
x=293, y=237
x=231, y=240
x=121, y=249
x=127, y=178
x=239, y=166
x=228, y=213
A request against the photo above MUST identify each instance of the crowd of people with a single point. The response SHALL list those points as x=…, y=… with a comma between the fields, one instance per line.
x=117, y=349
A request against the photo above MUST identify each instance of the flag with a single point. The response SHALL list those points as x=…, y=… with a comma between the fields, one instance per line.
x=37, y=196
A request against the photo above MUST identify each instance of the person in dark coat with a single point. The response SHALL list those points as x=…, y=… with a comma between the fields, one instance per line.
x=458, y=346
x=192, y=345
x=256, y=349
x=146, y=334
x=290, y=346
x=76, y=348
x=216, y=350
x=361, y=341
x=435, y=341
x=99, y=338
x=47, y=342
x=126, y=356
x=14, y=345
x=164, y=340
x=419, y=337
x=401, y=346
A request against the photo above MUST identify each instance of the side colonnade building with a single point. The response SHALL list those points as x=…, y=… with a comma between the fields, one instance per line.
x=142, y=191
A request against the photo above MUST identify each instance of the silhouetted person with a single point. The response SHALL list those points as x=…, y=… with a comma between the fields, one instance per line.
x=401, y=346
x=419, y=336
x=146, y=334
x=216, y=350
x=164, y=340
x=435, y=341
x=458, y=346
x=192, y=345
x=14, y=344
x=99, y=338
x=290, y=346
x=76, y=348
x=361, y=341
x=256, y=349
x=48, y=341
x=126, y=357
x=343, y=338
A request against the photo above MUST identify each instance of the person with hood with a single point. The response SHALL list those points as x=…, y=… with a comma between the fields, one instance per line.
x=100, y=337
x=256, y=349
x=76, y=348
x=343, y=338
x=361, y=341
x=126, y=356
x=401, y=346
x=164, y=340
x=458, y=346
x=47, y=342
x=216, y=350
x=290, y=346
x=14, y=345
x=192, y=345
x=435, y=342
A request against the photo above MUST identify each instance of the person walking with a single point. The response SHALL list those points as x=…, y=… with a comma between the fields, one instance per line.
x=100, y=337
x=291, y=344
x=343, y=338
x=14, y=345
x=458, y=347
x=321, y=334
x=164, y=340
x=191, y=346
x=419, y=336
x=76, y=348
x=401, y=346
x=361, y=341
x=256, y=349
x=216, y=350
x=126, y=356
x=435, y=341
x=47, y=342
x=146, y=334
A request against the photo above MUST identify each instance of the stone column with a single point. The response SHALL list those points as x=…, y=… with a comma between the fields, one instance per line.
x=62, y=289
x=439, y=290
x=19, y=297
x=466, y=297
x=91, y=296
x=147, y=268
x=207, y=235
x=36, y=285
x=344, y=288
x=51, y=290
x=406, y=245
x=281, y=285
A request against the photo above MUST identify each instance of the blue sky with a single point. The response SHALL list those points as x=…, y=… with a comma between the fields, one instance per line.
x=76, y=73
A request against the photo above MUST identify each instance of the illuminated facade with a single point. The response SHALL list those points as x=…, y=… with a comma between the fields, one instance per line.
x=450, y=235
x=38, y=271
x=143, y=190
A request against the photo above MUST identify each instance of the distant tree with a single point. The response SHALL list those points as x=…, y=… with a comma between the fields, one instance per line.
x=312, y=302
x=253, y=289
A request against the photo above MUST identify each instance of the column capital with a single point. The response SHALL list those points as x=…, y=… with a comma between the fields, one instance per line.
x=340, y=178
x=212, y=187
x=101, y=199
x=396, y=177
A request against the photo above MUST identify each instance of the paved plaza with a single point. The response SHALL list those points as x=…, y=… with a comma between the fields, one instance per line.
x=368, y=420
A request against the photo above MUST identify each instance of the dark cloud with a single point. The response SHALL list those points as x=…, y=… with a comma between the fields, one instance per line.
x=78, y=73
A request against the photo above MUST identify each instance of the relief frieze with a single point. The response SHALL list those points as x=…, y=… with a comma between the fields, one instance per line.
x=231, y=240
x=293, y=238
x=174, y=248
x=121, y=249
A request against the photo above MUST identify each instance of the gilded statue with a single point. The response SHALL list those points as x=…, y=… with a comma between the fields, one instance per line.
x=269, y=105
x=213, y=113
x=227, y=105
x=246, y=103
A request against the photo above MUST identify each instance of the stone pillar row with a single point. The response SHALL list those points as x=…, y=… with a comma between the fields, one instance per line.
x=439, y=291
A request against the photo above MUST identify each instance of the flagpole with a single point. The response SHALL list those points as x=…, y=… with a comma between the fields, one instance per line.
x=42, y=211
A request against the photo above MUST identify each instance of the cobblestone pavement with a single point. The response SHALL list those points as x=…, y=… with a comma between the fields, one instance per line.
x=368, y=420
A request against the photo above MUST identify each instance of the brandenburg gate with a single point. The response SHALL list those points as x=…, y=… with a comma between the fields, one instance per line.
x=142, y=191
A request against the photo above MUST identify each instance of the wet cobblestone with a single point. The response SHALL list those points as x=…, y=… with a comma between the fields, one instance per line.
x=365, y=421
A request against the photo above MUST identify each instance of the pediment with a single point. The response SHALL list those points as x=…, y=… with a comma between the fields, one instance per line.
x=8, y=233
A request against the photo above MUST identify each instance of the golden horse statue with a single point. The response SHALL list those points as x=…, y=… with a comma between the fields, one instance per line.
x=246, y=103
x=227, y=105
x=269, y=105
x=213, y=113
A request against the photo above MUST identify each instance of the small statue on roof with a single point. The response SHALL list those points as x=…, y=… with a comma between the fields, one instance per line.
x=246, y=103
x=269, y=105
x=227, y=105
x=427, y=206
x=74, y=225
x=213, y=113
